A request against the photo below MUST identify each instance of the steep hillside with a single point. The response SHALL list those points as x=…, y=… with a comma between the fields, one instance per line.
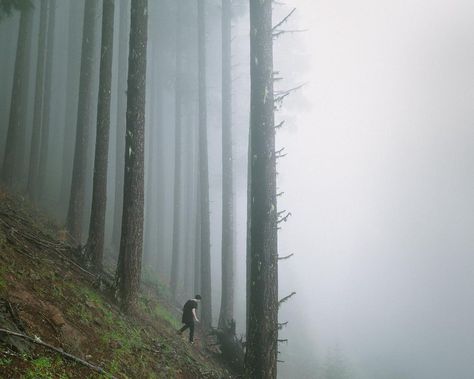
x=47, y=296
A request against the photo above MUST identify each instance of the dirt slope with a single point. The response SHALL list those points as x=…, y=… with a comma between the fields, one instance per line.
x=46, y=295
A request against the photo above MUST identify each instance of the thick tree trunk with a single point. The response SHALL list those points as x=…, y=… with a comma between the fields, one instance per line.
x=76, y=201
x=99, y=194
x=131, y=243
x=262, y=298
x=15, y=144
x=124, y=32
x=227, y=299
x=45, y=124
x=177, y=223
x=33, y=172
x=206, y=310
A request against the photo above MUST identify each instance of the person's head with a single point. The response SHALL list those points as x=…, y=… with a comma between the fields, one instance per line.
x=198, y=297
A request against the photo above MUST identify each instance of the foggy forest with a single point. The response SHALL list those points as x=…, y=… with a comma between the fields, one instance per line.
x=250, y=189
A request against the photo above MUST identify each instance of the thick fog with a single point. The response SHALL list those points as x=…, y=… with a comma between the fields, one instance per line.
x=378, y=176
x=379, y=179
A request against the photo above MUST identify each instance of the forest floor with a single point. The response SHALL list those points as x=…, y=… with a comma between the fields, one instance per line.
x=46, y=295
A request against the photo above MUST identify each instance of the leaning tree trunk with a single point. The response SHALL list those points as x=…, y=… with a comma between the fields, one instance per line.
x=78, y=184
x=262, y=297
x=124, y=31
x=206, y=312
x=95, y=248
x=177, y=223
x=33, y=171
x=227, y=299
x=131, y=243
x=45, y=124
x=15, y=144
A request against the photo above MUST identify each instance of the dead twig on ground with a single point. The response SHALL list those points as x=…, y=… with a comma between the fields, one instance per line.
x=59, y=351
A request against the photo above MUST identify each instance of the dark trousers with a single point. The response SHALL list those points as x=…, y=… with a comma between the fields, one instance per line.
x=189, y=325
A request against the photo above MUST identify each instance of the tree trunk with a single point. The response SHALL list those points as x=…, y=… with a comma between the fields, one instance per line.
x=15, y=144
x=124, y=32
x=131, y=243
x=72, y=89
x=99, y=195
x=177, y=224
x=45, y=124
x=262, y=298
x=76, y=201
x=206, y=311
x=227, y=299
x=33, y=172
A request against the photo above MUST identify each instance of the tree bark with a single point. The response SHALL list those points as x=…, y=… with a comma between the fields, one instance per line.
x=177, y=223
x=45, y=124
x=227, y=299
x=72, y=89
x=33, y=172
x=99, y=194
x=124, y=31
x=131, y=243
x=76, y=201
x=262, y=297
x=15, y=144
x=206, y=312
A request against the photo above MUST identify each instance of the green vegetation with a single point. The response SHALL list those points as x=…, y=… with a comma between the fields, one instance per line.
x=162, y=313
x=46, y=368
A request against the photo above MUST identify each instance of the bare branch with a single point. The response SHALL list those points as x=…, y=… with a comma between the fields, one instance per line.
x=284, y=218
x=285, y=257
x=285, y=19
x=279, y=125
x=286, y=298
x=280, y=32
x=282, y=325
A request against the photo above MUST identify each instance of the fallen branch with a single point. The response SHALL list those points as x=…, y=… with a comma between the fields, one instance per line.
x=59, y=351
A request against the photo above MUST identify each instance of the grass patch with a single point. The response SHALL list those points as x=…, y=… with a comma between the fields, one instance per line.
x=164, y=314
x=46, y=368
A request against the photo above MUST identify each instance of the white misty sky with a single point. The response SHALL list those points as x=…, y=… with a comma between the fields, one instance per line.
x=380, y=182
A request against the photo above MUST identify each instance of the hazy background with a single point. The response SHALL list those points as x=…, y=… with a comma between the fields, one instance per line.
x=380, y=182
x=379, y=175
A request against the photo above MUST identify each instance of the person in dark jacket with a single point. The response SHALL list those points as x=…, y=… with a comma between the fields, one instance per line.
x=189, y=316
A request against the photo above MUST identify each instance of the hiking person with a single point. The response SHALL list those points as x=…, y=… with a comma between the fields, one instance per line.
x=189, y=316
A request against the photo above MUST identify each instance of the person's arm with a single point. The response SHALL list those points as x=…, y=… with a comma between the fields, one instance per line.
x=194, y=314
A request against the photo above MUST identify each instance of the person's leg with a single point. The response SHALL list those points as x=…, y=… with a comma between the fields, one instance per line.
x=191, y=332
x=186, y=326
